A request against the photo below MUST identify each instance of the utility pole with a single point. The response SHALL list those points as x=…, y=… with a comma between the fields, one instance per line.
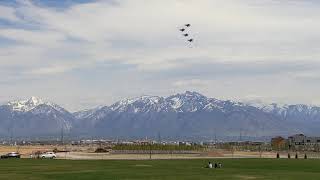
x=215, y=138
x=150, y=146
x=260, y=151
x=11, y=135
x=62, y=136
x=159, y=137
x=11, y=130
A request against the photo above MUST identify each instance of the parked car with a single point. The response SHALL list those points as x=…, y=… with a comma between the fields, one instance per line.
x=11, y=155
x=49, y=155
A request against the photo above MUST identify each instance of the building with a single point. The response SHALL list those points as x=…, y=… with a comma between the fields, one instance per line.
x=297, y=139
x=313, y=141
x=302, y=140
x=278, y=142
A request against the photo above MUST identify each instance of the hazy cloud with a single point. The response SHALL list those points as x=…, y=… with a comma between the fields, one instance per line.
x=102, y=51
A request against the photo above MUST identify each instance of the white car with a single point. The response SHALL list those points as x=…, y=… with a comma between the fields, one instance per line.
x=49, y=155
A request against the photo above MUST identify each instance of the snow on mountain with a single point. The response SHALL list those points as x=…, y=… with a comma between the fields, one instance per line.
x=25, y=105
x=29, y=104
x=183, y=102
x=195, y=113
x=35, y=116
x=297, y=112
x=279, y=107
x=187, y=102
x=87, y=112
x=139, y=104
x=183, y=114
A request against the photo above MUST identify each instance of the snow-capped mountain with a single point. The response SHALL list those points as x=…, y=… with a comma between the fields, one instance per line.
x=185, y=114
x=25, y=105
x=299, y=112
x=184, y=102
x=187, y=102
x=87, y=113
x=29, y=104
x=188, y=114
x=139, y=104
x=33, y=117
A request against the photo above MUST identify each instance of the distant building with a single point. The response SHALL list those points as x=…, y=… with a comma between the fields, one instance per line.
x=302, y=140
x=297, y=139
x=278, y=142
x=313, y=141
x=296, y=142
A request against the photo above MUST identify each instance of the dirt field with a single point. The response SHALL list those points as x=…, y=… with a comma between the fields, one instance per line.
x=87, y=152
x=27, y=150
x=222, y=154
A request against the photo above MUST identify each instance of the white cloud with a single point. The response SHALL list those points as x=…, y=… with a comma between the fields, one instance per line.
x=143, y=34
x=224, y=31
x=32, y=37
x=8, y=14
x=191, y=83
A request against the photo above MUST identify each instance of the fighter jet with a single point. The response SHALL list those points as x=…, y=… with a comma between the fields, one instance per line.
x=182, y=29
x=186, y=34
x=187, y=25
x=190, y=40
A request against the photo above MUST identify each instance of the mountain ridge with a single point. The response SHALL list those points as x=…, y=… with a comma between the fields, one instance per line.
x=188, y=114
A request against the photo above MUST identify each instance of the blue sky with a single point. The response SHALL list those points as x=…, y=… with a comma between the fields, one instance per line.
x=81, y=54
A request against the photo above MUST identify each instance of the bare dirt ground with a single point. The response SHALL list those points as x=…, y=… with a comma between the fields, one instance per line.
x=87, y=152
x=200, y=155
x=27, y=150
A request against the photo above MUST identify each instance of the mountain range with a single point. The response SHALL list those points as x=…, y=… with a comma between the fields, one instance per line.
x=184, y=115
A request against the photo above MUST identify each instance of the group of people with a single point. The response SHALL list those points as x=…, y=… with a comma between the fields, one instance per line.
x=216, y=165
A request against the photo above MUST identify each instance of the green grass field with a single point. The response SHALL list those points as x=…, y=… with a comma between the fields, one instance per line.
x=28, y=169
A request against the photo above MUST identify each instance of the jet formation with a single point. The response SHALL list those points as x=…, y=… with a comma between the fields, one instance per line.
x=185, y=32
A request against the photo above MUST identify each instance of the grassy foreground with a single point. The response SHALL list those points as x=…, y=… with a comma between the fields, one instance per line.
x=159, y=169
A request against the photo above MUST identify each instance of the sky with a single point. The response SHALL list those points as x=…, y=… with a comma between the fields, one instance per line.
x=81, y=54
